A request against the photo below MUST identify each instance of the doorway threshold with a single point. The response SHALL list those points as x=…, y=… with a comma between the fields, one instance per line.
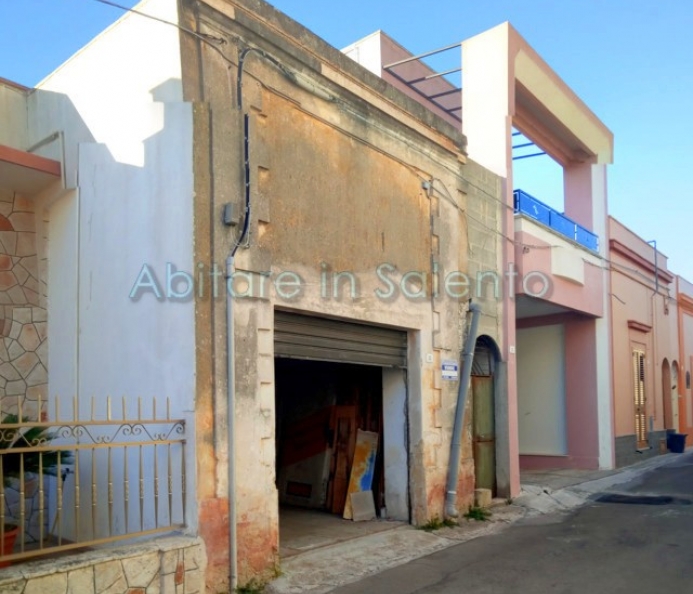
x=302, y=530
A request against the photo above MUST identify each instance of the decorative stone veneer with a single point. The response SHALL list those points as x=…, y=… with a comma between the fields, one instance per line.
x=23, y=327
x=171, y=565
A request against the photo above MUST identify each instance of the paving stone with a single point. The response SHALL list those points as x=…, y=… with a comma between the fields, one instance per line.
x=22, y=204
x=154, y=587
x=9, y=241
x=41, y=329
x=16, y=328
x=22, y=221
x=15, y=586
x=8, y=371
x=29, y=337
x=15, y=350
x=31, y=296
x=37, y=376
x=180, y=573
x=47, y=584
x=29, y=283
x=30, y=262
x=20, y=273
x=42, y=352
x=7, y=280
x=109, y=578
x=169, y=561
x=22, y=314
x=193, y=558
x=193, y=582
x=168, y=584
x=25, y=363
x=35, y=392
x=139, y=571
x=39, y=314
x=15, y=388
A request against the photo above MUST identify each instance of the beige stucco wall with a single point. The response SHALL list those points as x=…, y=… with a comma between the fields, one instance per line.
x=345, y=173
x=684, y=295
x=644, y=317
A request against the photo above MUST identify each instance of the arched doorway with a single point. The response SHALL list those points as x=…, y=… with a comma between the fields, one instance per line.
x=667, y=402
x=484, y=386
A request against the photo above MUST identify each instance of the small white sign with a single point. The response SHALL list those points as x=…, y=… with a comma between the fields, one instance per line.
x=451, y=370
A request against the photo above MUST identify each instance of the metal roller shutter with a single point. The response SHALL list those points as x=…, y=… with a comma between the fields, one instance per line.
x=305, y=337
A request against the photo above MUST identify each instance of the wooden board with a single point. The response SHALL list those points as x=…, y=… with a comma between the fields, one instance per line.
x=362, y=468
x=343, y=427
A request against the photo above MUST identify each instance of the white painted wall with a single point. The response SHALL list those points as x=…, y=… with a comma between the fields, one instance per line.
x=128, y=151
x=13, y=115
x=367, y=52
x=486, y=99
x=541, y=390
x=63, y=306
x=128, y=147
x=396, y=444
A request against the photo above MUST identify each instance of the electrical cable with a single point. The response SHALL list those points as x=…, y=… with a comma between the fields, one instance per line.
x=210, y=41
x=204, y=37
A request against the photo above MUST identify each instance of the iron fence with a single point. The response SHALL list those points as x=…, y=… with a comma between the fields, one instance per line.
x=88, y=477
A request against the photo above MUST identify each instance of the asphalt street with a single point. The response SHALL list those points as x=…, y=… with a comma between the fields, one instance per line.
x=641, y=543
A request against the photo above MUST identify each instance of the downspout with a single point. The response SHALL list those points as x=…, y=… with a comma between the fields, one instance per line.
x=462, y=391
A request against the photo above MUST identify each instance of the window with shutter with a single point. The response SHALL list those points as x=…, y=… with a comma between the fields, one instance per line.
x=639, y=397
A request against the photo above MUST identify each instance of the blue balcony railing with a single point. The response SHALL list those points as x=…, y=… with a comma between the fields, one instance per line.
x=536, y=209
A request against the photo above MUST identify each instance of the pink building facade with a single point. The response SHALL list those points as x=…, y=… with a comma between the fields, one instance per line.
x=645, y=346
x=556, y=411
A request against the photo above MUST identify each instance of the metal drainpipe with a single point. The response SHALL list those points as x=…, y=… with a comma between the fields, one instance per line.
x=231, y=427
x=463, y=389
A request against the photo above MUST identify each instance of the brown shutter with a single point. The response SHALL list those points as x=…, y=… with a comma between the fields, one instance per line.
x=319, y=339
x=639, y=397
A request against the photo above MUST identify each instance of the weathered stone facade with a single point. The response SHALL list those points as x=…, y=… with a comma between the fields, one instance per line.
x=345, y=174
x=173, y=565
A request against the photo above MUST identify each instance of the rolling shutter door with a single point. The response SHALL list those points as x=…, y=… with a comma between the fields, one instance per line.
x=305, y=337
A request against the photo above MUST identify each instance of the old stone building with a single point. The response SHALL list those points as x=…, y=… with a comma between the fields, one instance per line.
x=348, y=283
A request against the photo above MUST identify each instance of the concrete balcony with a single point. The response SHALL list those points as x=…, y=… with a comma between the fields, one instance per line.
x=556, y=273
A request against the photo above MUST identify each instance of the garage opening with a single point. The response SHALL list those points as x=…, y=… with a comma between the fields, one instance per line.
x=341, y=430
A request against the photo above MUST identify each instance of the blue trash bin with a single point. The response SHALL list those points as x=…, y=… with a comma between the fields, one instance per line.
x=676, y=442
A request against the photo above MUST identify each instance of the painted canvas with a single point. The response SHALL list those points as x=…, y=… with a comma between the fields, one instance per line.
x=363, y=467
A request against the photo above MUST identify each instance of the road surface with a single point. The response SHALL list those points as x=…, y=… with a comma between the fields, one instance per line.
x=642, y=543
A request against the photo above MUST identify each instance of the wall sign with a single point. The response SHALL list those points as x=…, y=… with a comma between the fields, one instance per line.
x=450, y=370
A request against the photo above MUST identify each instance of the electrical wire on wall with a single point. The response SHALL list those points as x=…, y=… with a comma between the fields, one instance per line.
x=213, y=42
x=246, y=137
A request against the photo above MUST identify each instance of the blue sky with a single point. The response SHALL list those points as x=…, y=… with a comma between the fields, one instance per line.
x=631, y=61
